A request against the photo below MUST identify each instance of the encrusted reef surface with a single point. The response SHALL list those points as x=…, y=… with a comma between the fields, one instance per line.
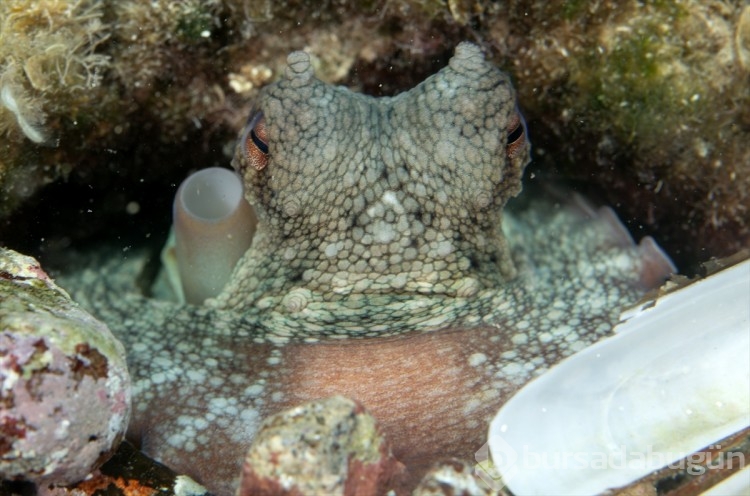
x=64, y=385
x=107, y=104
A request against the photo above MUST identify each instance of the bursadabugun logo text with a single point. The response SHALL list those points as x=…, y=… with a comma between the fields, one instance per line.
x=497, y=473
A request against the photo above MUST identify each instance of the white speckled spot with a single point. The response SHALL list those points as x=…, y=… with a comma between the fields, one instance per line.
x=218, y=405
x=196, y=375
x=249, y=415
x=176, y=440
x=383, y=232
x=562, y=330
x=254, y=390
x=444, y=248
x=512, y=369
x=139, y=347
x=554, y=314
x=477, y=359
x=273, y=360
x=331, y=250
x=544, y=337
x=509, y=355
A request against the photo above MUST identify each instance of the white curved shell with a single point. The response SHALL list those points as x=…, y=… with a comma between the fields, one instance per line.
x=674, y=379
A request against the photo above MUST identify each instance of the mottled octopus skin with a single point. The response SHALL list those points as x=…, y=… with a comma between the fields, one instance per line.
x=380, y=271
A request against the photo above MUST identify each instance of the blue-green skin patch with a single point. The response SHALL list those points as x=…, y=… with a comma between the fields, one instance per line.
x=379, y=234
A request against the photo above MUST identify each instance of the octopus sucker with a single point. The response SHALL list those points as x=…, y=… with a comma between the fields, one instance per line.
x=385, y=267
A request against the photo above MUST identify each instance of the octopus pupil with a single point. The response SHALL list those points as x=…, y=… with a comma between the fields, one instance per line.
x=262, y=146
x=516, y=134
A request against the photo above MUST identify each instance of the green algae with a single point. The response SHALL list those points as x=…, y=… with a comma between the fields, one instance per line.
x=195, y=25
x=49, y=57
x=630, y=78
x=571, y=9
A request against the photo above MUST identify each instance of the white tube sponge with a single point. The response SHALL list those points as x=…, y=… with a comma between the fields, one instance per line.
x=213, y=227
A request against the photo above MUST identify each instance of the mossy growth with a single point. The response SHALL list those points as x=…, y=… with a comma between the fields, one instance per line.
x=52, y=69
x=152, y=37
x=195, y=23
x=633, y=74
x=645, y=102
x=48, y=58
x=573, y=8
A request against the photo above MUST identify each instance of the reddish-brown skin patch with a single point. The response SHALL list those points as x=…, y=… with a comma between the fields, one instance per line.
x=416, y=386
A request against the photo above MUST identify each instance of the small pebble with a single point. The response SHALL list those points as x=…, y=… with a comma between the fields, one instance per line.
x=331, y=446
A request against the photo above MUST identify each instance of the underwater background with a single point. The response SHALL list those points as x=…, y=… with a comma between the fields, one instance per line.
x=108, y=105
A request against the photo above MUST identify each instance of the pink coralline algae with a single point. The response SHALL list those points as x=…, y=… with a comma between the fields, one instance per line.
x=64, y=385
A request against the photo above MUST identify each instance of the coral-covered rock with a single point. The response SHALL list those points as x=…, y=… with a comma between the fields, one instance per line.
x=332, y=446
x=450, y=478
x=645, y=103
x=65, y=388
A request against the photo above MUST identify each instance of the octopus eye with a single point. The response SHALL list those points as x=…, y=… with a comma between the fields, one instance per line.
x=516, y=135
x=255, y=141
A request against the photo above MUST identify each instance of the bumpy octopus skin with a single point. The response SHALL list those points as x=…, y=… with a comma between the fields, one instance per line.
x=380, y=270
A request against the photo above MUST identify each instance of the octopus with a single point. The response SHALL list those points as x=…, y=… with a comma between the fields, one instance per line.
x=386, y=267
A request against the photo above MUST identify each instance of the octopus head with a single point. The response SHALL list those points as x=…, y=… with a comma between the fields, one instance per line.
x=389, y=203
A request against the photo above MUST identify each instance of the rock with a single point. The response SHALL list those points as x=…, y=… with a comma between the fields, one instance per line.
x=331, y=446
x=65, y=388
x=452, y=477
